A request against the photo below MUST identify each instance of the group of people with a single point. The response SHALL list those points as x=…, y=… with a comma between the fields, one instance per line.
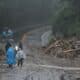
x=7, y=33
x=13, y=57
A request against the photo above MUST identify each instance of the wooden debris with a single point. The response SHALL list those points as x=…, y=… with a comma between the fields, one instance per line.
x=63, y=48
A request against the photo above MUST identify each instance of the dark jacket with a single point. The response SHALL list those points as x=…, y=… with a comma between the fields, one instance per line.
x=7, y=46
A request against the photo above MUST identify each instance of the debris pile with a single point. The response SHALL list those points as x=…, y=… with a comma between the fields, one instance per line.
x=64, y=48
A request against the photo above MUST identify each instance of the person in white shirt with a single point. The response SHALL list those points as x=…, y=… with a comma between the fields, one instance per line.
x=20, y=57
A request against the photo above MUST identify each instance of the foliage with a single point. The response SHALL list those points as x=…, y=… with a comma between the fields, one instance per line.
x=67, y=22
x=52, y=40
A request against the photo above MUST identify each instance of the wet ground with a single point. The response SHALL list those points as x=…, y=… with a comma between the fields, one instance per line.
x=38, y=66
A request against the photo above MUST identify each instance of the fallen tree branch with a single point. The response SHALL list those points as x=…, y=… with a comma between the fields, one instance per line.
x=71, y=50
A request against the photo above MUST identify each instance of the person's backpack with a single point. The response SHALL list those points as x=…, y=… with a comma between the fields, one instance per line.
x=20, y=54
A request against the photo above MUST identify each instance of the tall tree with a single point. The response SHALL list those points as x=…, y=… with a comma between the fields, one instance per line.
x=67, y=22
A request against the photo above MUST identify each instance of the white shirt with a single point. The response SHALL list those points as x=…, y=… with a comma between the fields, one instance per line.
x=20, y=54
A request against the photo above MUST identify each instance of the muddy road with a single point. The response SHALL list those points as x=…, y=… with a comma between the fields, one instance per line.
x=37, y=65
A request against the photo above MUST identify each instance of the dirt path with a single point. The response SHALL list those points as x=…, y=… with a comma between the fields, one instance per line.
x=37, y=66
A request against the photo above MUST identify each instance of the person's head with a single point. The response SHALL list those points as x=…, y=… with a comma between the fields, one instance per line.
x=20, y=49
x=20, y=41
x=10, y=45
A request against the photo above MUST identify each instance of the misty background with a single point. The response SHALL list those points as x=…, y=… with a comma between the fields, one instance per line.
x=16, y=13
x=63, y=15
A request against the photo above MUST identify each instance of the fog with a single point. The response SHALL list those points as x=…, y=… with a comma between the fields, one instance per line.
x=15, y=13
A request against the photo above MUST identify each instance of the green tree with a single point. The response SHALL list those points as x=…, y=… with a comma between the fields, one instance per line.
x=67, y=22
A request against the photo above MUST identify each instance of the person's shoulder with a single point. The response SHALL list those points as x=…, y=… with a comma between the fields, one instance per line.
x=19, y=51
x=11, y=49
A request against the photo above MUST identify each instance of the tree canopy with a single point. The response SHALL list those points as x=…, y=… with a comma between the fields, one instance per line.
x=67, y=21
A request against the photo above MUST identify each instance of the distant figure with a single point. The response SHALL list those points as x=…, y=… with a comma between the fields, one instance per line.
x=4, y=34
x=10, y=33
x=20, y=57
x=20, y=45
x=10, y=57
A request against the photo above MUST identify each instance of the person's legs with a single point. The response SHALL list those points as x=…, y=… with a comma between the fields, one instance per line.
x=18, y=63
x=21, y=62
x=10, y=66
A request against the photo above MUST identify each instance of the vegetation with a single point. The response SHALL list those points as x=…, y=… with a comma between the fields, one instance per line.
x=67, y=21
x=16, y=13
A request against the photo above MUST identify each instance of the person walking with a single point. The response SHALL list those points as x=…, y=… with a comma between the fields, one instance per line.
x=10, y=57
x=10, y=34
x=20, y=45
x=20, y=57
x=7, y=46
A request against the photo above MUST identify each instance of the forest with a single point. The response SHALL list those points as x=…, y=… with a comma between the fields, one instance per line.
x=18, y=13
x=66, y=20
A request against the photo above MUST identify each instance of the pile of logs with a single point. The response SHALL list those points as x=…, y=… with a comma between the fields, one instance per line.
x=63, y=49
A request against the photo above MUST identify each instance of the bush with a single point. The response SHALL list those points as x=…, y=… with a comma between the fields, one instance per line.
x=67, y=22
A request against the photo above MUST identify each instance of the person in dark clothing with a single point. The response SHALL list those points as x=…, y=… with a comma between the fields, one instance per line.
x=20, y=56
x=4, y=34
x=20, y=45
x=7, y=46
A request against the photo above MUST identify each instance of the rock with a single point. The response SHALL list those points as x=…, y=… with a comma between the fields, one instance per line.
x=45, y=38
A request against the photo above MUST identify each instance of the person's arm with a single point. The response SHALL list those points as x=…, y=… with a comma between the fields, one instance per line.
x=24, y=56
x=17, y=55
